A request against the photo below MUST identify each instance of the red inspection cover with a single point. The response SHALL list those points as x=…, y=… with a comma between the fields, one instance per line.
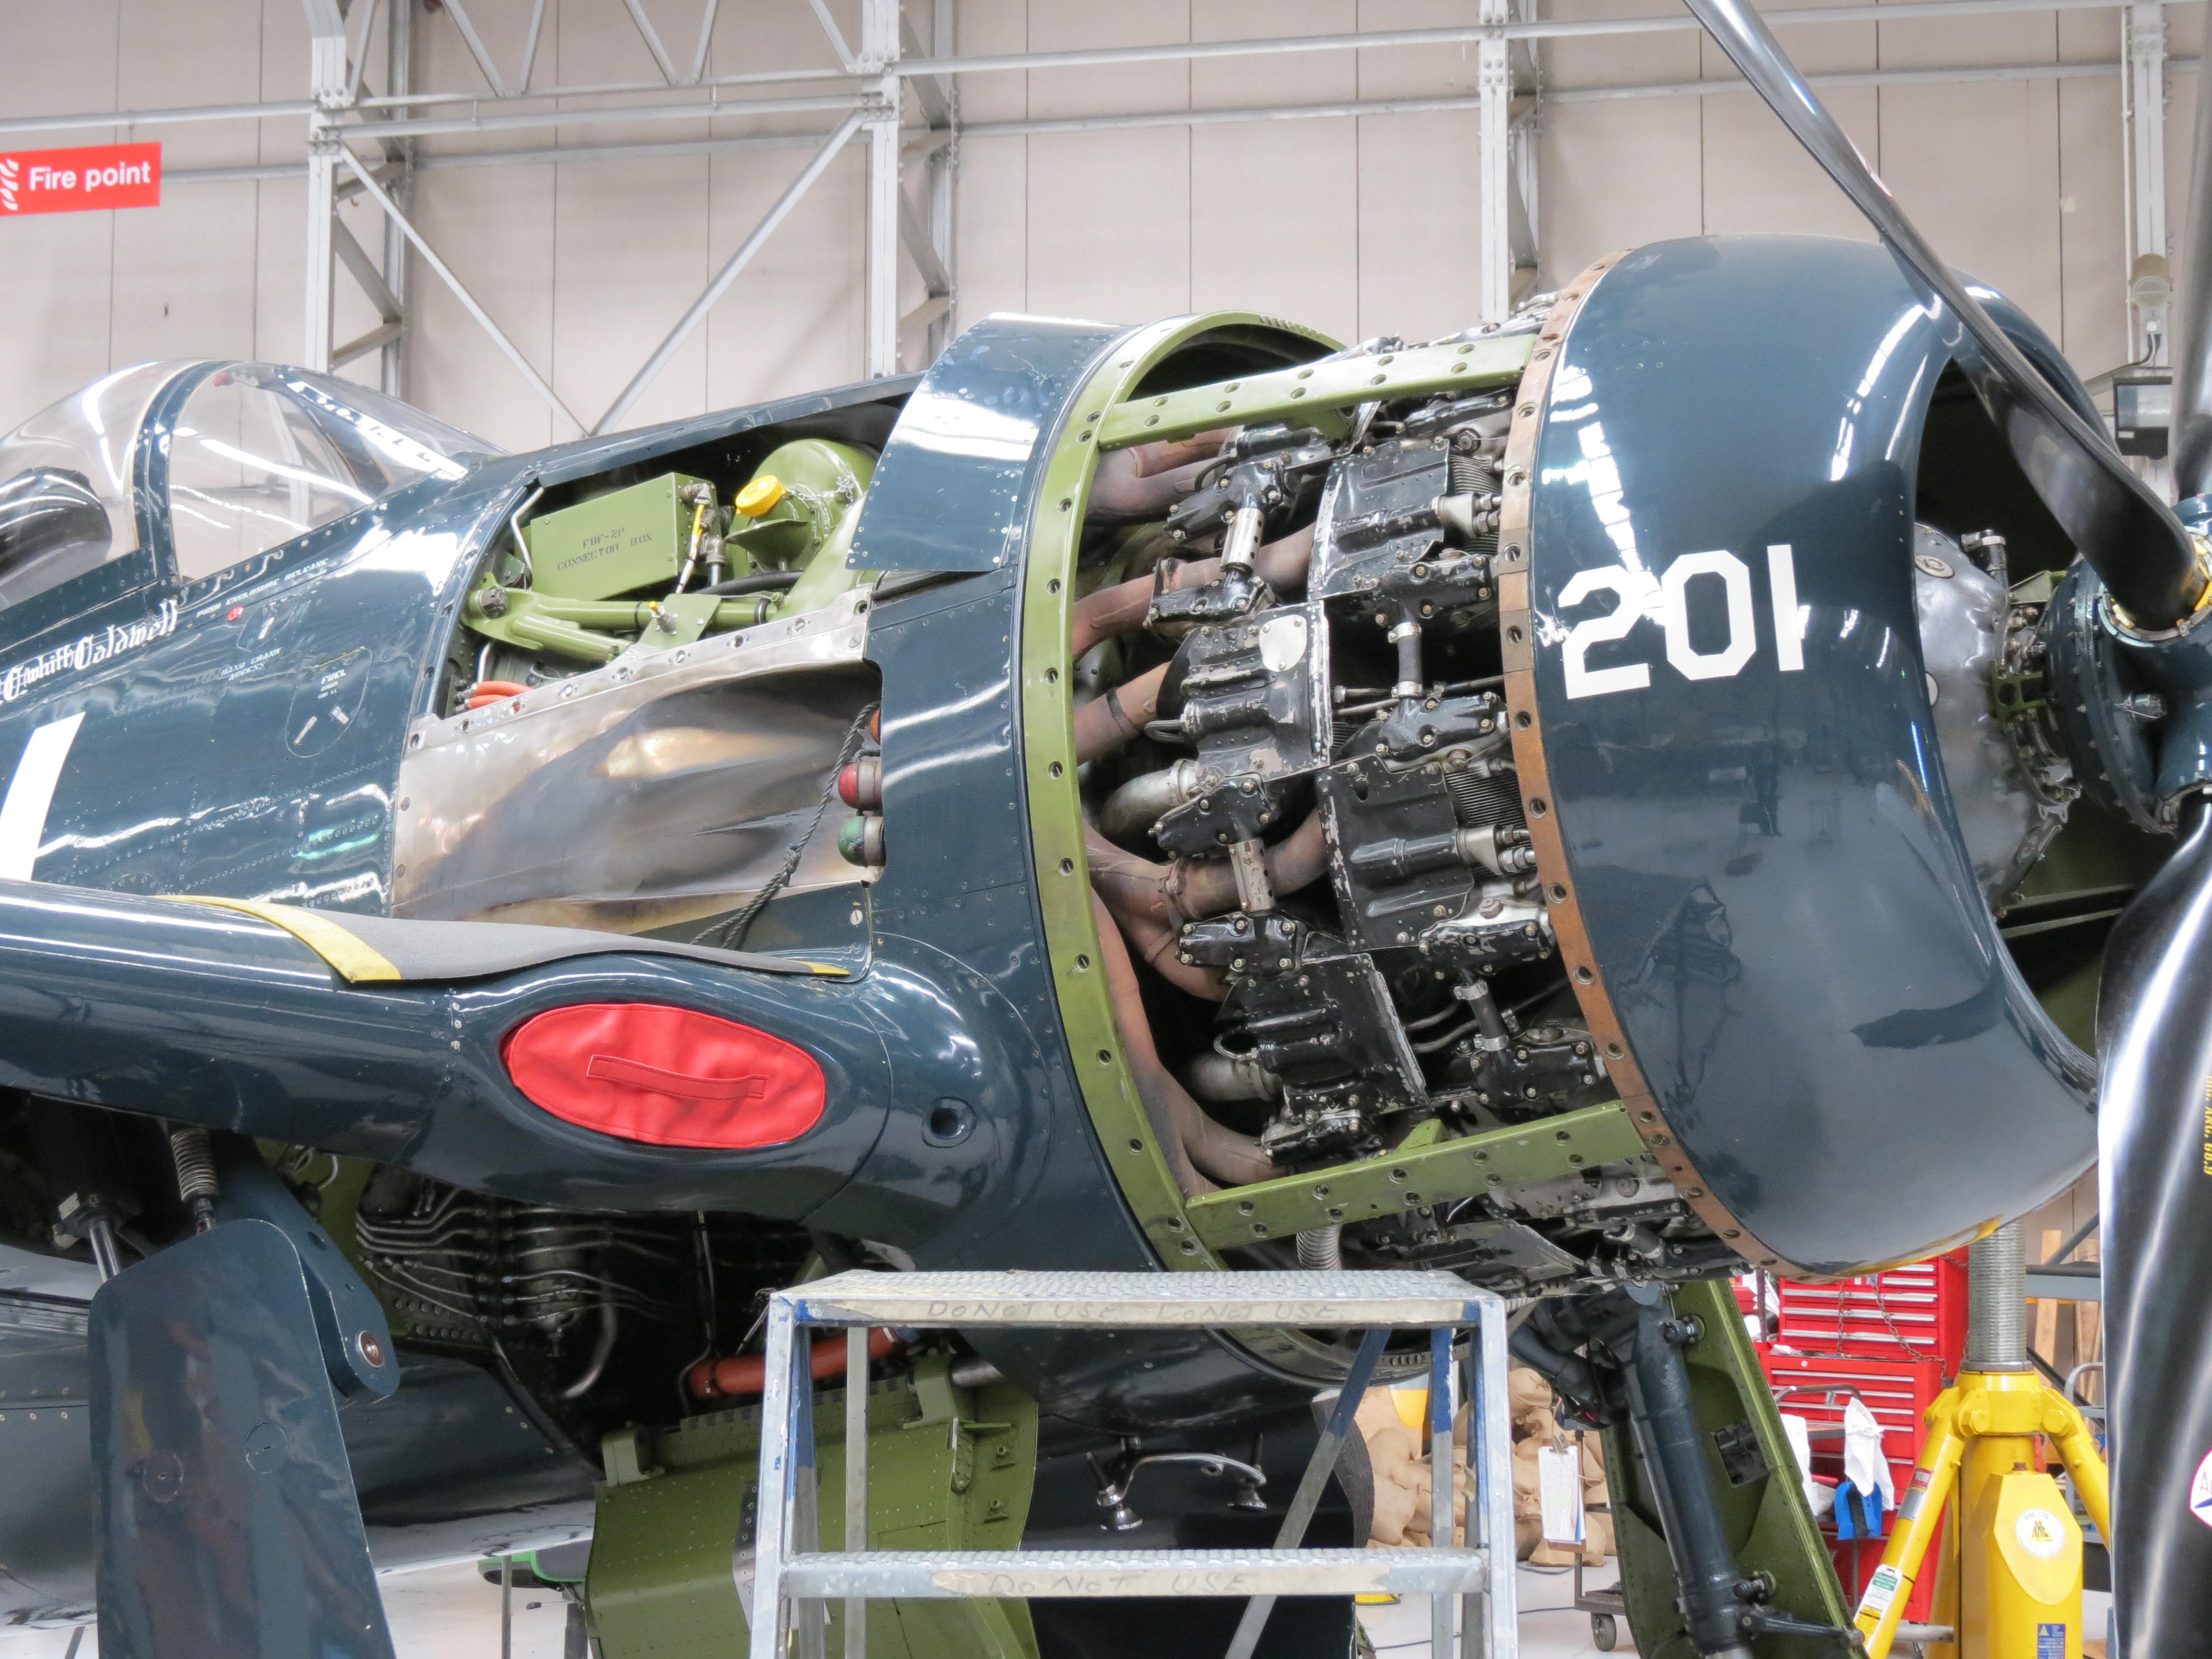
x=669, y=1077
x=83, y=180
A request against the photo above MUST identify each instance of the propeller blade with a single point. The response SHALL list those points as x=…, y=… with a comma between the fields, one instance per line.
x=2191, y=337
x=2121, y=527
x=2155, y=1135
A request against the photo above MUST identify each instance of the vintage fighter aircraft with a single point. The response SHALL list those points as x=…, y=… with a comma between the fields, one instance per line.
x=1589, y=804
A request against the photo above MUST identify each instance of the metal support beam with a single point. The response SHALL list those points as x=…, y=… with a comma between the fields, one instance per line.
x=933, y=92
x=728, y=273
x=918, y=139
x=879, y=57
x=837, y=37
x=329, y=83
x=661, y=60
x=943, y=65
x=376, y=339
x=943, y=165
x=935, y=279
x=625, y=113
x=399, y=77
x=1493, y=80
x=530, y=49
x=355, y=257
x=2143, y=114
x=1527, y=73
x=929, y=313
x=1471, y=35
x=358, y=55
x=512, y=352
x=705, y=39
x=458, y=12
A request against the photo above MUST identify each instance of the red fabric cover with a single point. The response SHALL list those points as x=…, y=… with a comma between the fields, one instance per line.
x=669, y=1077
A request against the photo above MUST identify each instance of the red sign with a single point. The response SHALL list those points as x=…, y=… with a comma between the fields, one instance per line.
x=80, y=180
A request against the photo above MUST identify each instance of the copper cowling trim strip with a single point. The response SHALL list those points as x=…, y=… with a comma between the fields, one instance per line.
x=1518, y=634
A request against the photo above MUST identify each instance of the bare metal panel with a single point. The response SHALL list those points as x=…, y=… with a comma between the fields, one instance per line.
x=651, y=792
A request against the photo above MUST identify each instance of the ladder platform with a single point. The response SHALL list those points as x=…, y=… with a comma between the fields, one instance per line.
x=1123, y=1301
x=945, y=1575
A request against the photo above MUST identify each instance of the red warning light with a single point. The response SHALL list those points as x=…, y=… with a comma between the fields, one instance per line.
x=669, y=1077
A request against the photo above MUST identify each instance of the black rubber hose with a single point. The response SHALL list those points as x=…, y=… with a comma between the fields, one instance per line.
x=2155, y=1135
x=767, y=581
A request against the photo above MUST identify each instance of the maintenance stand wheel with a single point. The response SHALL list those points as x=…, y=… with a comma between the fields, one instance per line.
x=1604, y=1632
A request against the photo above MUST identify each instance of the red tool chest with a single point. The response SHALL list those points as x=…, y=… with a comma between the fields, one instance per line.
x=1915, y=1312
x=1895, y=1340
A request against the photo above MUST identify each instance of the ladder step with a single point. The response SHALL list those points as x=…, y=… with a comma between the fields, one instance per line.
x=1122, y=1300
x=945, y=1575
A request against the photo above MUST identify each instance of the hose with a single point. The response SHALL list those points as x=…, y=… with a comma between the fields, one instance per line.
x=484, y=693
x=747, y=1373
x=770, y=581
x=1196, y=1147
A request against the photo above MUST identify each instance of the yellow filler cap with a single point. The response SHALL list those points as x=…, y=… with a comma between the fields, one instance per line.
x=760, y=496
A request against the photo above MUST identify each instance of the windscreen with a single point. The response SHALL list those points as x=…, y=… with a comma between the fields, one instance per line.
x=65, y=481
x=262, y=454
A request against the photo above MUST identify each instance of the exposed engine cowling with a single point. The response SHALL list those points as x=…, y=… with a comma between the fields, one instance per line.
x=1307, y=818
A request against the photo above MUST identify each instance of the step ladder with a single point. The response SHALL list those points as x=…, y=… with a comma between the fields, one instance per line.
x=792, y=1580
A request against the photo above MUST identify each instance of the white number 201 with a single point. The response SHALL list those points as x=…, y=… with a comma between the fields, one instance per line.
x=1638, y=594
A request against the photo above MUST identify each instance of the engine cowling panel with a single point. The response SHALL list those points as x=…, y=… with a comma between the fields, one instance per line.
x=1769, y=905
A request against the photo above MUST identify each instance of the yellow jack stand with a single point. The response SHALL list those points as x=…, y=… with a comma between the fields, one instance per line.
x=2010, y=1580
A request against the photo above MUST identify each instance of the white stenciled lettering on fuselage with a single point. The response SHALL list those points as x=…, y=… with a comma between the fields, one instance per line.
x=87, y=651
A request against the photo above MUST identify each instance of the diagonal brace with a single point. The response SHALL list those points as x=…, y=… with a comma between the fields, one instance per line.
x=738, y=261
x=846, y=61
x=478, y=50
x=1319, y=1467
x=512, y=352
x=661, y=58
x=355, y=260
x=936, y=281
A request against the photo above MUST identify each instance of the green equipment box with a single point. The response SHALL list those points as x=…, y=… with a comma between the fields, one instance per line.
x=615, y=544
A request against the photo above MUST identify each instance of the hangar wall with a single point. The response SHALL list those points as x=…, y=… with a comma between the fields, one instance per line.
x=1360, y=225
